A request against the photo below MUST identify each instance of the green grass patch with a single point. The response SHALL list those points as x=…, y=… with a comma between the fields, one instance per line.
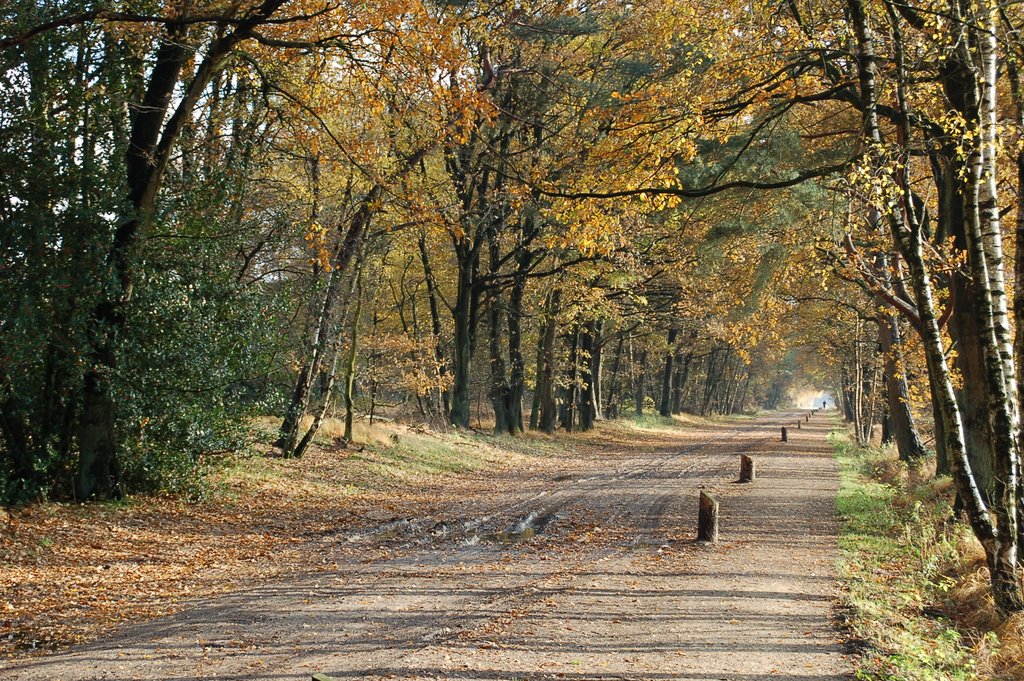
x=649, y=422
x=408, y=455
x=401, y=453
x=380, y=457
x=653, y=422
x=895, y=545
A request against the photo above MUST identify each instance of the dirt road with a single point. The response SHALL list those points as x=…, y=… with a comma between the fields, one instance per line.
x=590, y=575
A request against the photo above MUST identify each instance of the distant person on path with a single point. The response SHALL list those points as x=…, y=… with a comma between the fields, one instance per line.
x=824, y=404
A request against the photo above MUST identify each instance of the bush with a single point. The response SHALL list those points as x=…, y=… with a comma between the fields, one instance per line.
x=199, y=350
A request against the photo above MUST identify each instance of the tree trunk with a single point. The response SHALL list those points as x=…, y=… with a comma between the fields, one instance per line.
x=665, y=407
x=710, y=382
x=345, y=251
x=14, y=427
x=350, y=364
x=846, y=393
x=517, y=366
x=335, y=347
x=942, y=466
x=500, y=389
x=463, y=316
x=1017, y=93
x=321, y=336
x=596, y=367
x=679, y=381
x=572, y=382
x=318, y=344
x=641, y=378
x=742, y=401
x=900, y=419
x=996, y=527
x=98, y=472
x=548, y=413
x=871, y=390
x=443, y=401
x=588, y=389
x=857, y=385
x=538, y=373
x=614, y=388
x=152, y=139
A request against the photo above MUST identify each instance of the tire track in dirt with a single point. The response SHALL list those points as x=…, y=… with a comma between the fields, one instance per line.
x=716, y=467
x=756, y=607
x=557, y=576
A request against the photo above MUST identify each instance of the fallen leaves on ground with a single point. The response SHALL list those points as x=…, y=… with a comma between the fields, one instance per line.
x=71, y=572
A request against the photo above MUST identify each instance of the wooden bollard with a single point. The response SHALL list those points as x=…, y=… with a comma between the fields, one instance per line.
x=807, y=417
x=707, y=518
x=747, y=469
x=785, y=434
x=798, y=425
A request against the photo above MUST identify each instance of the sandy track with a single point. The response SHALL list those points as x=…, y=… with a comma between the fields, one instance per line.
x=613, y=588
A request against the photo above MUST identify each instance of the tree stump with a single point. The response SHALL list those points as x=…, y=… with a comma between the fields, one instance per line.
x=747, y=469
x=707, y=518
x=785, y=434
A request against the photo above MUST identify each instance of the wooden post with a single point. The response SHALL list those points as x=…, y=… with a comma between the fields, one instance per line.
x=785, y=434
x=747, y=469
x=807, y=417
x=707, y=518
x=798, y=425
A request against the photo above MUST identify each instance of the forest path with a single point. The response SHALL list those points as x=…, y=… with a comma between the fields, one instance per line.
x=612, y=586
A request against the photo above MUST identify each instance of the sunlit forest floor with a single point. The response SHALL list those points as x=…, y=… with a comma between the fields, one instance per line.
x=914, y=600
x=71, y=572
x=460, y=556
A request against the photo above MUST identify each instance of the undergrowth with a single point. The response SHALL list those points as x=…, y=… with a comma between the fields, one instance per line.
x=918, y=605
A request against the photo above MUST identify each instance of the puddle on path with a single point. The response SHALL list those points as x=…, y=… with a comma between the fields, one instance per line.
x=527, y=528
x=471, y=532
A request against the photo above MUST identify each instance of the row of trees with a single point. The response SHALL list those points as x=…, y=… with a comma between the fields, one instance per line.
x=207, y=204
x=924, y=100
x=928, y=239
x=568, y=210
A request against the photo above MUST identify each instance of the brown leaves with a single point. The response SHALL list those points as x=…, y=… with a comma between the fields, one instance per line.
x=72, y=572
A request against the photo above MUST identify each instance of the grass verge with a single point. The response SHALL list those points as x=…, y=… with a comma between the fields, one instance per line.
x=918, y=603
